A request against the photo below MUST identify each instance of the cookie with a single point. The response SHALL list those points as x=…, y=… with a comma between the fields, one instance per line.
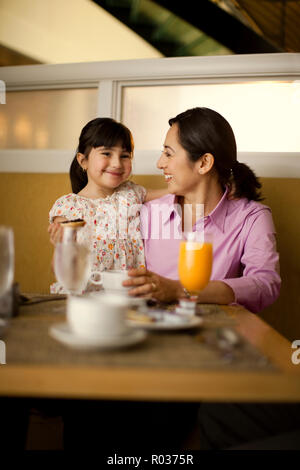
x=73, y=223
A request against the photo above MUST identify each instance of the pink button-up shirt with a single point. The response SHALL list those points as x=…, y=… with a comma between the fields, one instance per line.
x=244, y=246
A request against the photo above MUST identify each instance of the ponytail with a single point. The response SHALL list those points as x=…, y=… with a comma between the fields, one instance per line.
x=244, y=182
x=78, y=176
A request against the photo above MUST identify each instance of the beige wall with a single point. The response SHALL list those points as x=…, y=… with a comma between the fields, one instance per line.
x=283, y=196
x=26, y=200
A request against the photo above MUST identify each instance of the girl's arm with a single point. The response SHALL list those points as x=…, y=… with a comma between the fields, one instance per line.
x=155, y=194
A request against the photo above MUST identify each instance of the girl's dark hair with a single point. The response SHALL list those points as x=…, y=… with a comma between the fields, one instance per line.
x=202, y=130
x=99, y=132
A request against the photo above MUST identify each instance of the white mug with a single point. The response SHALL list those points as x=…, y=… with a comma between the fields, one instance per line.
x=111, y=280
x=97, y=316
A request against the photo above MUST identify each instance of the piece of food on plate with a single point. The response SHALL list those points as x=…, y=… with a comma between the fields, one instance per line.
x=139, y=317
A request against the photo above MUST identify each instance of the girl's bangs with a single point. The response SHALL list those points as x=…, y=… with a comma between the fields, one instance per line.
x=113, y=136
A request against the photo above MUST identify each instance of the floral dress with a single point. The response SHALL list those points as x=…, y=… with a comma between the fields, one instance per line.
x=112, y=227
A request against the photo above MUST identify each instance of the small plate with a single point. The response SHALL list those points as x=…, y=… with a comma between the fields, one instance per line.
x=137, y=301
x=63, y=333
x=167, y=321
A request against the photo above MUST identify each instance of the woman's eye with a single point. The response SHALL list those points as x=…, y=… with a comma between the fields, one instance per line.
x=166, y=153
x=107, y=154
x=125, y=155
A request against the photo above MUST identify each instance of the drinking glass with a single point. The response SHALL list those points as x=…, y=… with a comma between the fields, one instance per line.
x=73, y=261
x=195, y=261
x=72, y=266
x=7, y=258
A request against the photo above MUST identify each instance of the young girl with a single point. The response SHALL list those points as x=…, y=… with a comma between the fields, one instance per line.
x=104, y=198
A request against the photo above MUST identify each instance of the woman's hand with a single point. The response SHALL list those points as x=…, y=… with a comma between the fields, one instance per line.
x=146, y=283
x=56, y=233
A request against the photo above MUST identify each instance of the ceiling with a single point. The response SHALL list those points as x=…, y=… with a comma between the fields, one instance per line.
x=210, y=27
x=202, y=27
x=278, y=20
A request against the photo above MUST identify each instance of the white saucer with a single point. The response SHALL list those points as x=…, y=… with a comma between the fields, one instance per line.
x=63, y=333
x=168, y=321
x=128, y=299
x=137, y=301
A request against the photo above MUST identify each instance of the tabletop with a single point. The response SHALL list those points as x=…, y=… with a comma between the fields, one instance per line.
x=168, y=366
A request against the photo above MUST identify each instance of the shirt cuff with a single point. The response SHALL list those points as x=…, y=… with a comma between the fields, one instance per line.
x=247, y=292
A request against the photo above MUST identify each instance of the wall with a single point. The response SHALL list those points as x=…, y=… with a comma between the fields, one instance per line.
x=283, y=195
x=26, y=199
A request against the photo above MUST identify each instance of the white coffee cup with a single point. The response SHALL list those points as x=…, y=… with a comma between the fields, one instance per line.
x=112, y=280
x=97, y=315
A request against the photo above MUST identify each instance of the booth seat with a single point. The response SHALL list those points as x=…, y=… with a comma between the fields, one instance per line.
x=26, y=200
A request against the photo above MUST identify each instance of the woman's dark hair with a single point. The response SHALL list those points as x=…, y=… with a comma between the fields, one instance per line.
x=99, y=132
x=202, y=130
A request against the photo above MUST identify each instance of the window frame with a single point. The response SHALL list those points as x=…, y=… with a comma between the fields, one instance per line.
x=111, y=77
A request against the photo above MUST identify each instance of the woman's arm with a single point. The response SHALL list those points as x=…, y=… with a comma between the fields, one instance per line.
x=145, y=282
x=217, y=292
x=155, y=194
x=259, y=284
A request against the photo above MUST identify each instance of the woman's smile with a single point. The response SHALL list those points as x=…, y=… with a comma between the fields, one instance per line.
x=168, y=177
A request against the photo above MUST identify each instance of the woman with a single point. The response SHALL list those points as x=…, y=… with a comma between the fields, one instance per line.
x=200, y=165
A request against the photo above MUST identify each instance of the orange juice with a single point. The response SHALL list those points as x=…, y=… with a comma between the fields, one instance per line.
x=195, y=264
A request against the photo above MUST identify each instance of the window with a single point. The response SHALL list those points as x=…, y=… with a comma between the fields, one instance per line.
x=45, y=119
x=264, y=114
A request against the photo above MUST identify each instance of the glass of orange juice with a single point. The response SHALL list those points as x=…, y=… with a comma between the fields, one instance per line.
x=195, y=261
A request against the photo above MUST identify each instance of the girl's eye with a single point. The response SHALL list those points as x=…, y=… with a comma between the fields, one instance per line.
x=107, y=154
x=126, y=155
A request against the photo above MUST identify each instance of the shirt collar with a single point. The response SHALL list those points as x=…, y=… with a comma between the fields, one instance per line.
x=168, y=211
x=217, y=216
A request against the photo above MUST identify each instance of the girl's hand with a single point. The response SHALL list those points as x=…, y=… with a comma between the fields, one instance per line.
x=146, y=283
x=56, y=233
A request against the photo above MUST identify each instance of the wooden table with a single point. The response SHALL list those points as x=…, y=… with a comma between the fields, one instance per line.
x=68, y=380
